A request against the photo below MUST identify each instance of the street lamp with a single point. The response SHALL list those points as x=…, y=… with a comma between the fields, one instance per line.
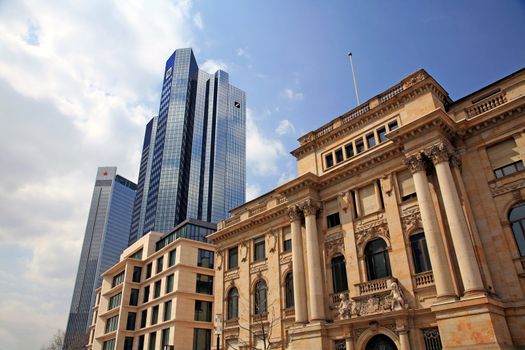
x=218, y=328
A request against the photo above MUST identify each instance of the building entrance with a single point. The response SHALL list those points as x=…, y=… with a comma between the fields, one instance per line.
x=380, y=342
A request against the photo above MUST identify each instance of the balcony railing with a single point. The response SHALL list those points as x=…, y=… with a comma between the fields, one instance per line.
x=289, y=312
x=424, y=279
x=375, y=286
x=486, y=105
x=231, y=323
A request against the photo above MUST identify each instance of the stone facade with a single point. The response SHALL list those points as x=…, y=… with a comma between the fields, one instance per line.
x=396, y=230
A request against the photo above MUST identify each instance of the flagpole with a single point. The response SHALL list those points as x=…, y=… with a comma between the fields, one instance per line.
x=353, y=76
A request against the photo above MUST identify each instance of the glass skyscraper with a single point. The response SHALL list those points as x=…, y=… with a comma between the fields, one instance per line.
x=197, y=163
x=106, y=236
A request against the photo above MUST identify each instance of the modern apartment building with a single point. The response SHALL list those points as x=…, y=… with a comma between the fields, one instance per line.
x=196, y=162
x=106, y=236
x=159, y=294
x=405, y=229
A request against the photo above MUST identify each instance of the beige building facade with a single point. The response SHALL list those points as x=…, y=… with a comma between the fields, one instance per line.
x=405, y=229
x=159, y=294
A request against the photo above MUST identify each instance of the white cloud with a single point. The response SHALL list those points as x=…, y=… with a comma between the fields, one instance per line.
x=252, y=191
x=211, y=66
x=292, y=95
x=240, y=51
x=197, y=20
x=285, y=127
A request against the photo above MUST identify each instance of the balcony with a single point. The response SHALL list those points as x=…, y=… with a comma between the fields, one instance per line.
x=375, y=286
x=424, y=279
x=231, y=323
x=486, y=105
x=289, y=312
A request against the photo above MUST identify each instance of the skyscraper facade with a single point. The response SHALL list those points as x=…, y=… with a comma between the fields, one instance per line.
x=106, y=236
x=198, y=159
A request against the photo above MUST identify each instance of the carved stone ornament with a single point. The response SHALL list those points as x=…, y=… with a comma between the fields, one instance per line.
x=219, y=259
x=381, y=303
x=370, y=231
x=414, y=80
x=455, y=160
x=345, y=307
x=415, y=163
x=243, y=251
x=294, y=213
x=310, y=207
x=514, y=187
x=438, y=153
x=271, y=237
x=387, y=184
x=334, y=243
x=344, y=199
x=411, y=220
x=397, y=298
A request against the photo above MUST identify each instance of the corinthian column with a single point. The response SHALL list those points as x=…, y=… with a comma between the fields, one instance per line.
x=315, y=285
x=299, y=286
x=468, y=265
x=436, y=248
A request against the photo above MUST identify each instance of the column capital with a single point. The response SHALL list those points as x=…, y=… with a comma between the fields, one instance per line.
x=310, y=207
x=294, y=213
x=415, y=163
x=439, y=153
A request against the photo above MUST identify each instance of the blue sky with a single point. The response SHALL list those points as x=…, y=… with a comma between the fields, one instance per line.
x=78, y=82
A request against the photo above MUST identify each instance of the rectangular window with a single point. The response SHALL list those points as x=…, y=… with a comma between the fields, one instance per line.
x=143, y=318
x=287, y=239
x=155, y=315
x=109, y=344
x=368, y=200
x=111, y=324
x=114, y=301
x=349, y=150
x=332, y=220
x=407, y=190
x=156, y=292
x=172, y=256
x=203, y=310
x=128, y=343
x=167, y=311
x=152, y=340
x=132, y=317
x=118, y=279
x=137, y=255
x=370, y=140
x=287, y=245
x=137, y=271
x=233, y=256
x=148, y=270
x=359, y=146
x=205, y=258
x=329, y=159
x=339, y=155
x=165, y=337
x=258, y=249
x=141, y=343
x=204, y=284
x=145, y=297
x=381, y=133
x=201, y=339
x=169, y=283
x=160, y=262
x=134, y=297
x=392, y=125
x=504, y=158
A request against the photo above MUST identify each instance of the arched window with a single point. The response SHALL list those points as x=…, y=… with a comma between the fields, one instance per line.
x=517, y=222
x=233, y=304
x=261, y=302
x=288, y=289
x=418, y=244
x=339, y=281
x=377, y=261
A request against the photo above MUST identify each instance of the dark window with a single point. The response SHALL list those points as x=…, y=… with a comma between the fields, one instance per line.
x=287, y=245
x=167, y=310
x=169, y=283
x=143, y=318
x=148, y=270
x=165, y=337
x=201, y=339
x=160, y=263
x=233, y=256
x=509, y=169
x=155, y=315
x=109, y=344
x=152, y=340
x=339, y=155
x=377, y=261
x=111, y=324
x=137, y=271
x=205, y=258
x=237, y=104
x=392, y=125
x=141, y=343
x=145, y=297
x=370, y=140
x=261, y=301
x=381, y=133
x=233, y=304
x=137, y=255
x=204, y=284
x=288, y=290
x=339, y=280
x=156, y=292
x=359, y=146
x=114, y=301
x=329, y=158
x=333, y=220
x=132, y=317
x=258, y=249
x=517, y=222
x=172, y=256
x=349, y=150
x=203, y=310
x=118, y=279
x=420, y=253
x=134, y=297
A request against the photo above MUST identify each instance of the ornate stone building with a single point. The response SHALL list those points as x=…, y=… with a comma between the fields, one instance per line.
x=403, y=230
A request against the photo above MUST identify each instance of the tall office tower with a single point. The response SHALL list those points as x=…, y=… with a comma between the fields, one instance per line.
x=106, y=236
x=199, y=153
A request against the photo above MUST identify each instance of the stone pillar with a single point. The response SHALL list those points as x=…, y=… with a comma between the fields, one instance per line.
x=349, y=342
x=404, y=340
x=299, y=285
x=468, y=265
x=313, y=259
x=436, y=248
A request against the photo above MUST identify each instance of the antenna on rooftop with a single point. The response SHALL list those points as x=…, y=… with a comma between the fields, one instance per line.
x=353, y=76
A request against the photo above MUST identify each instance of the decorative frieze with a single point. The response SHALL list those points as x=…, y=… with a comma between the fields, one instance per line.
x=499, y=189
x=258, y=267
x=411, y=219
x=334, y=243
x=370, y=231
x=231, y=275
